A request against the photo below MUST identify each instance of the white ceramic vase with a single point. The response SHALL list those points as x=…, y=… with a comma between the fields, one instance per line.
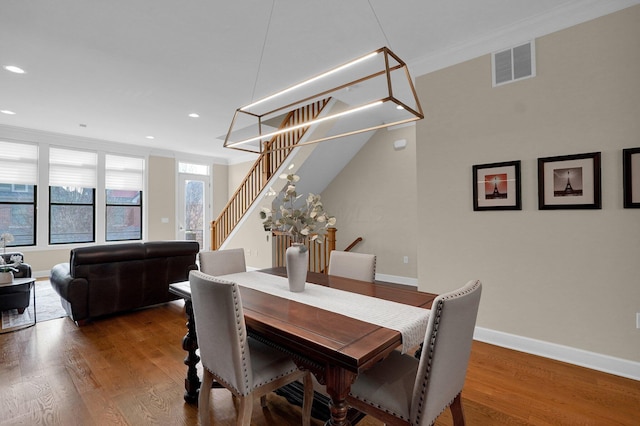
x=297, y=264
x=6, y=277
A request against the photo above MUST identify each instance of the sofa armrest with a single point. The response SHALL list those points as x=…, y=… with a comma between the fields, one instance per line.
x=23, y=269
x=74, y=292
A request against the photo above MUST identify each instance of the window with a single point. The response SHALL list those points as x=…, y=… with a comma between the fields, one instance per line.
x=193, y=169
x=18, y=189
x=72, y=183
x=123, y=186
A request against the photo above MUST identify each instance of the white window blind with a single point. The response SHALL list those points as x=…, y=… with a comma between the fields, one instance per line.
x=77, y=169
x=125, y=173
x=18, y=163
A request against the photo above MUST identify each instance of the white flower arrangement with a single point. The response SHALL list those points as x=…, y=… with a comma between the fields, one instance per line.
x=308, y=220
x=15, y=260
x=5, y=239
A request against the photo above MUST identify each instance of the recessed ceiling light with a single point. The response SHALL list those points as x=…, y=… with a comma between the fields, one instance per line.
x=194, y=115
x=14, y=69
x=150, y=137
x=6, y=111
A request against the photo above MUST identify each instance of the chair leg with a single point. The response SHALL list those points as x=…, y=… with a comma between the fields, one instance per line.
x=456, y=411
x=307, y=400
x=204, y=398
x=246, y=408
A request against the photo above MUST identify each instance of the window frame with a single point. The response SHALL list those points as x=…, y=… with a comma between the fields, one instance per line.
x=93, y=217
x=34, y=203
x=106, y=216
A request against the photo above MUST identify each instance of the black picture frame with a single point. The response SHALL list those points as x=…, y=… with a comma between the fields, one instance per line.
x=570, y=182
x=631, y=177
x=497, y=186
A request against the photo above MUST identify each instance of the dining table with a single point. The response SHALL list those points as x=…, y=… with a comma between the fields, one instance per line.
x=336, y=328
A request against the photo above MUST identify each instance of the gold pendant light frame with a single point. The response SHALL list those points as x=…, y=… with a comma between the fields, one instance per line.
x=371, y=92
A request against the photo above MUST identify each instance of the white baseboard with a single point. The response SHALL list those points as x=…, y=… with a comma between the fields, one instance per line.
x=397, y=279
x=595, y=361
x=41, y=274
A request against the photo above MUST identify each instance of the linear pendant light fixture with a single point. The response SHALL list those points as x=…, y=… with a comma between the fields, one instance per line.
x=368, y=93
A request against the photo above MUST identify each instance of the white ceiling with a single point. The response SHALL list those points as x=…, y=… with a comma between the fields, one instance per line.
x=121, y=70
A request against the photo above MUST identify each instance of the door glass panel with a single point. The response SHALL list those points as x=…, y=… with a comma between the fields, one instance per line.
x=194, y=204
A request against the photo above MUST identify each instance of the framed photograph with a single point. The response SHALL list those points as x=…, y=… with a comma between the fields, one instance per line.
x=569, y=182
x=496, y=186
x=631, y=177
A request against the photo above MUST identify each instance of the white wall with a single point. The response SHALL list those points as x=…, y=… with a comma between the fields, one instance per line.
x=374, y=198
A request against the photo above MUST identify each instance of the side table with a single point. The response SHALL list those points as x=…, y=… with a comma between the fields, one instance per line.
x=19, y=285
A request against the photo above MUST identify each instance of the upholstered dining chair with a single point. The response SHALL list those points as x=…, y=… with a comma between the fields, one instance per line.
x=222, y=262
x=403, y=390
x=246, y=367
x=357, y=266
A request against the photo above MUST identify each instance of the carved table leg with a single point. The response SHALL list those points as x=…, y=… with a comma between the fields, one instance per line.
x=190, y=344
x=338, y=382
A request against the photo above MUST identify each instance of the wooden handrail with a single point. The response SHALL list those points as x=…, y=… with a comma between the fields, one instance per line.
x=272, y=157
x=353, y=244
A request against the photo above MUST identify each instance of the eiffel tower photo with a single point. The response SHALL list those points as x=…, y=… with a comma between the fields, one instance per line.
x=495, y=187
x=567, y=182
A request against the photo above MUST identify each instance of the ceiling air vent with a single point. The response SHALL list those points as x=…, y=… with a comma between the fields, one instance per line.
x=514, y=64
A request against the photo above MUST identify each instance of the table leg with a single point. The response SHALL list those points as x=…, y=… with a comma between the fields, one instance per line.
x=35, y=315
x=190, y=344
x=338, y=382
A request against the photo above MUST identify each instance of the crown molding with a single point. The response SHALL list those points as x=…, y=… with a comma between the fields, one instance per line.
x=559, y=18
x=22, y=134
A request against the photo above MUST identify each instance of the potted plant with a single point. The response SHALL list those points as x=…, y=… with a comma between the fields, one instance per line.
x=299, y=220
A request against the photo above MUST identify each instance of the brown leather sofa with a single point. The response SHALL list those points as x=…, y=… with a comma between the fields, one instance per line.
x=107, y=279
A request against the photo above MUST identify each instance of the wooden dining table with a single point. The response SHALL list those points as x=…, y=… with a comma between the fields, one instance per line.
x=334, y=347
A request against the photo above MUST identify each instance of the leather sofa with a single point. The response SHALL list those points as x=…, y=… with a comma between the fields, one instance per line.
x=107, y=279
x=16, y=297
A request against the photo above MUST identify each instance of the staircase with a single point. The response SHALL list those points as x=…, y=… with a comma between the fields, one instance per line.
x=274, y=153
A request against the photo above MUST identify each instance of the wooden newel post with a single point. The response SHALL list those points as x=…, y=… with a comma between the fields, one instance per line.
x=214, y=244
x=331, y=239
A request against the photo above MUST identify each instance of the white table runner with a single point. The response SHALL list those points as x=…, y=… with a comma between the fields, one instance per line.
x=410, y=321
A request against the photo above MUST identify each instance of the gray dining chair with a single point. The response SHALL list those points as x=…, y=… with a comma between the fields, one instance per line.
x=357, y=266
x=222, y=262
x=404, y=390
x=248, y=368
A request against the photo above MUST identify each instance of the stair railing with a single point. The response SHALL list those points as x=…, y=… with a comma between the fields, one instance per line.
x=353, y=244
x=318, y=252
x=275, y=152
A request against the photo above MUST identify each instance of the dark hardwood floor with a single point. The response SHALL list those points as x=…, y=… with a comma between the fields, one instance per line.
x=128, y=370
